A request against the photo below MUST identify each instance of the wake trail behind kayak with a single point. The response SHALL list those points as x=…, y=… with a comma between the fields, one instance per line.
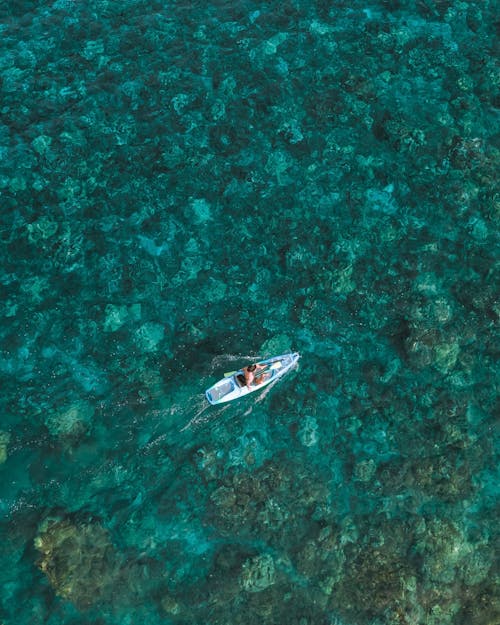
x=197, y=419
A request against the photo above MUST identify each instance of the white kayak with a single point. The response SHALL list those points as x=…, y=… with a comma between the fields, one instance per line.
x=233, y=385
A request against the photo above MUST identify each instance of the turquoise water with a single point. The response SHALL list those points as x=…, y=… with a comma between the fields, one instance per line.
x=186, y=188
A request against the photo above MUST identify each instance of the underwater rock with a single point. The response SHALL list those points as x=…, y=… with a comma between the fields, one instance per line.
x=151, y=247
x=239, y=502
x=41, y=144
x=373, y=579
x=278, y=163
x=365, y=470
x=445, y=356
x=170, y=605
x=149, y=335
x=151, y=381
x=274, y=502
x=322, y=557
x=448, y=560
x=478, y=564
x=78, y=559
x=382, y=200
x=41, y=229
x=224, y=498
x=376, y=576
x=447, y=477
x=443, y=548
x=278, y=344
x=207, y=462
x=342, y=281
x=72, y=421
x=193, y=261
x=116, y=316
x=225, y=574
x=216, y=290
x=432, y=340
x=35, y=289
x=308, y=431
x=175, y=610
x=437, y=476
x=258, y=573
x=250, y=450
x=199, y=211
x=4, y=443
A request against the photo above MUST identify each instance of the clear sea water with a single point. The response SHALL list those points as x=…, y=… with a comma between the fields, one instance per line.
x=187, y=187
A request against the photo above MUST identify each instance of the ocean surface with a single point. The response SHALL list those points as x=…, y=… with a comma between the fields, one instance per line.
x=188, y=187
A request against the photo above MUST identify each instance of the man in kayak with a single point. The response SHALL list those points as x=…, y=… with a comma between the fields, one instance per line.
x=251, y=376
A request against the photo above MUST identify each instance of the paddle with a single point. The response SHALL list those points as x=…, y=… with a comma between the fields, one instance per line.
x=275, y=365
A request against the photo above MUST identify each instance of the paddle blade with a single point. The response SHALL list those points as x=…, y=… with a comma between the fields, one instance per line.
x=275, y=365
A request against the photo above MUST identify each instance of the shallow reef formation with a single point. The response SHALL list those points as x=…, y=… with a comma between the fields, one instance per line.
x=78, y=559
x=85, y=568
x=186, y=189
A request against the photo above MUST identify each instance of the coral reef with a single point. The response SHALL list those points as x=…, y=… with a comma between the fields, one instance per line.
x=258, y=573
x=78, y=559
x=183, y=191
